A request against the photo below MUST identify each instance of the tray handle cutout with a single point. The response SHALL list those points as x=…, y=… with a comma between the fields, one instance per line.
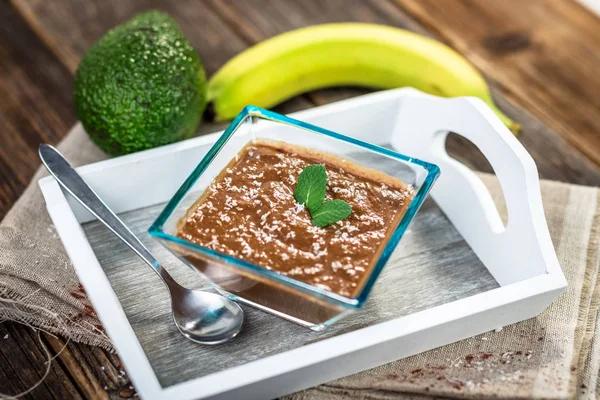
x=521, y=250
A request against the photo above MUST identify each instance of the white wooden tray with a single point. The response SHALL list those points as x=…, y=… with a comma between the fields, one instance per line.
x=435, y=289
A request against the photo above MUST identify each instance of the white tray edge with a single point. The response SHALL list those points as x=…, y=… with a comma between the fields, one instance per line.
x=311, y=364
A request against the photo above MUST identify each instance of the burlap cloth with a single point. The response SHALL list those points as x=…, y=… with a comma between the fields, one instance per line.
x=556, y=355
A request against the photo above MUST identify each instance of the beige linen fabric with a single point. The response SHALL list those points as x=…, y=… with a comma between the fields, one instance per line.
x=556, y=355
x=38, y=285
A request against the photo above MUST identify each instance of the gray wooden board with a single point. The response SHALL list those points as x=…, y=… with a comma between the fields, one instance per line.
x=431, y=266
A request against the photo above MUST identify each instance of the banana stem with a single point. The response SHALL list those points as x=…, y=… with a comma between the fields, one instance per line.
x=513, y=126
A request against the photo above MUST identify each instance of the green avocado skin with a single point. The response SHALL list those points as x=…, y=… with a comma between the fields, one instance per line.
x=140, y=86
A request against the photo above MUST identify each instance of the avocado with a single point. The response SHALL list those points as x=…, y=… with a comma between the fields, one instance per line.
x=140, y=86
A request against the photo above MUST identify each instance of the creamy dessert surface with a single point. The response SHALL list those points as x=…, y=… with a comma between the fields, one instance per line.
x=249, y=212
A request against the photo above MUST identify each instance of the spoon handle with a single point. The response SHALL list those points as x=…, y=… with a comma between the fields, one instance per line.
x=72, y=182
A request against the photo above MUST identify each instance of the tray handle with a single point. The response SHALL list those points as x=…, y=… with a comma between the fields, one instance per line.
x=521, y=250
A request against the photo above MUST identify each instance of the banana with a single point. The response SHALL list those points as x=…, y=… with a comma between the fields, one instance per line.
x=343, y=54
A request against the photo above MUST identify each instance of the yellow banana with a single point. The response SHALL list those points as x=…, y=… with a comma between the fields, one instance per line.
x=343, y=54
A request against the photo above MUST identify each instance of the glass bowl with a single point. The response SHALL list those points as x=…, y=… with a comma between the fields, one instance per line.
x=268, y=290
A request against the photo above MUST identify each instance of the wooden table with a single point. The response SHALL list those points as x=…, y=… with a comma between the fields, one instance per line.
x=541, y=57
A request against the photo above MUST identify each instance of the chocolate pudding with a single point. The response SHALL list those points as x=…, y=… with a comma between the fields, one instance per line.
x=249, y=212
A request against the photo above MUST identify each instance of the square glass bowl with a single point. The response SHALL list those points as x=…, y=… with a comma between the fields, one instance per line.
x=267, y=290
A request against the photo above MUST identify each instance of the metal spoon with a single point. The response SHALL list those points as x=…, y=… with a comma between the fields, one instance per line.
x=202, y=317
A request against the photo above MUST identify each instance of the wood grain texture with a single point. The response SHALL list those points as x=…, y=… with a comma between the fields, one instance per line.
x=80, y=371
x=220, y=29
x=551, y=74
x=175, y=359
x=35, y=103
x=22, y=365
x=554, y=158
x=214, y=40
x=543, y=54
x=35, y=107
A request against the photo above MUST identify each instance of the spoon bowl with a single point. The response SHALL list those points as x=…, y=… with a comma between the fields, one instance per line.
x=205, y=318
x=200, y=316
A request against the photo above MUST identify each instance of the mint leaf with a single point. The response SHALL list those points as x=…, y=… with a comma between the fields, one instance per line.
x=311, y=186
x=331, y=211
x=310, y=191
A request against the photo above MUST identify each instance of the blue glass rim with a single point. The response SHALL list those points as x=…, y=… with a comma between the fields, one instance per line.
x=433, y=171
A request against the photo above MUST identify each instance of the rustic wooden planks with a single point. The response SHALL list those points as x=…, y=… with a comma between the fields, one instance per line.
x=220, y=29
x=543, y=54
x=35, y=106
x=22, y=365
x=555, y=159
x=539, y=55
